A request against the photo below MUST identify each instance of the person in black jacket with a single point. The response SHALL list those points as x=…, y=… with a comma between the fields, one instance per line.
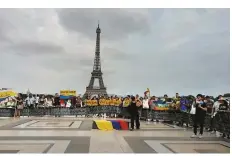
x=199, y=116
x=134, y=114
x=57, y=104
x=57, y=100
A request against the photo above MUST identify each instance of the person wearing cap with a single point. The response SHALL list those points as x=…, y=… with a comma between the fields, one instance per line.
x=220, y=104
x=223, y=107
x=199, y=116
x=223, y=104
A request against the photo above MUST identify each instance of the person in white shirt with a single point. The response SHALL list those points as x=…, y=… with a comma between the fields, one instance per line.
x=68, y=104
x=48, y=102
x=215, y=109
x=30, y=101
x=145, y=107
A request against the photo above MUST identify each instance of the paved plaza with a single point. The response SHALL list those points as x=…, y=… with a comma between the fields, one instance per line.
x=75, y=135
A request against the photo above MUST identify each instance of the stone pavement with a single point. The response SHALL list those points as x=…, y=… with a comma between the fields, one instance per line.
x=75, y=135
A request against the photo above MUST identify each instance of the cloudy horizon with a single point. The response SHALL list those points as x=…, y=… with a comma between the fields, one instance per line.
x=166, y=50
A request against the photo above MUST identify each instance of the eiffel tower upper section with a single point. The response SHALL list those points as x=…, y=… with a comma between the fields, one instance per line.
x=96, y=73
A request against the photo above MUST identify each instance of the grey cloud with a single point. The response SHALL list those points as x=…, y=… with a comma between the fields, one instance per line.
x=5, y=26
x=35, y=48
x=114, y=54
x=115, y=23
x=183, y=50
x=66, y=62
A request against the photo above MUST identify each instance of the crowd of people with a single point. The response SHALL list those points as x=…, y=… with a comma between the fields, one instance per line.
x=197, y=106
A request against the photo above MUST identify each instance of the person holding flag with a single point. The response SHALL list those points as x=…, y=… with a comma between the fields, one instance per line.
x=147, y=93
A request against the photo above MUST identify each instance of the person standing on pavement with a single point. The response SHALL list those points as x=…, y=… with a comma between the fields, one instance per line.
x=57, y=100
x=209, y=104
x=79, y=102
x=146, y=107
x=36, y=101
x=199, y=116
x=214, y=112
x=224, y=107
x=30, y=101
x=41, y=101
x=134, y=113
x=19, y=106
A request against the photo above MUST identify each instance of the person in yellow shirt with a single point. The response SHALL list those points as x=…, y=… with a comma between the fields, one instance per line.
x=112, y=101
x=88, y=102
x=102, y=101
x=115, y=100
x=118, y=101
x=126, y=102
x=117, y=105
x=94, y=101
x=107, y=101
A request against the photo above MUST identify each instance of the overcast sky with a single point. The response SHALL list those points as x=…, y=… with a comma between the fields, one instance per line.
x=167, y=50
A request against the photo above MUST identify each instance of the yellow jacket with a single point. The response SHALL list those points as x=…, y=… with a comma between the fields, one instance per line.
x=94, y=102
x=102, y=102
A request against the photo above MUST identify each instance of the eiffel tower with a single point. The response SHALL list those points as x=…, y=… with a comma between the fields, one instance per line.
x=96, y=73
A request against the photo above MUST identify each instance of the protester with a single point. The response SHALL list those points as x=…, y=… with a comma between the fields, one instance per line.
x=223, y=105
x=146, y=107
x=19, y=106
x=36, y=100
x=30, y=101
x=48, y=102
x=209, y=104
x=57, y=100
x=199, y=116
x=133, y=108
x=79, y=102
x=214, y=112
x=41, y=101
x=68, y=104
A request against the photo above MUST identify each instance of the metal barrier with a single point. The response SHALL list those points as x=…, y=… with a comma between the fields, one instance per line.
x=6, y=112
x=221, y=120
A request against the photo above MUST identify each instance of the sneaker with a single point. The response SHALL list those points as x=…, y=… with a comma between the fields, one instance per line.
x=194, y=136
x=131, y=129
x=200, y=136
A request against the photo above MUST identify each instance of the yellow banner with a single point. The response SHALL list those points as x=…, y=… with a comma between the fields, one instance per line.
x=7, y=93
x=68, y=92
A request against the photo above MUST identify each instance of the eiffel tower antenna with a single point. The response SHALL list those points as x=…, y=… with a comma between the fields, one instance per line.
x=96, y=73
